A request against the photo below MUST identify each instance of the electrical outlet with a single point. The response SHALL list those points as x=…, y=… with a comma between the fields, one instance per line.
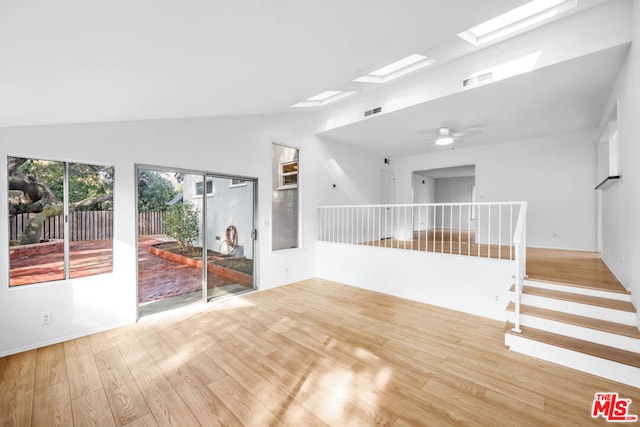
x=46, y=318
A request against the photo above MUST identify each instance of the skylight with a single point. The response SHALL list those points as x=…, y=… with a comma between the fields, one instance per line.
x=324, y=95
x=323, y=98
x=517, y=19
x=394, y=70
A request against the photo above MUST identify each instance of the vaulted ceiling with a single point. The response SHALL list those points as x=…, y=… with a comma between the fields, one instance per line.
x=74, y=61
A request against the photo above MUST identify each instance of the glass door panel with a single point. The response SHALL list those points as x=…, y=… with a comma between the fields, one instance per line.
x=230, y=239
x=170, y=246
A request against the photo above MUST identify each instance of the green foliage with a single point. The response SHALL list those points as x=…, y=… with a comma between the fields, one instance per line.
x=154, y=190
x=85, y=181
x=50, y=173
x=182, y=222
x=89, y=182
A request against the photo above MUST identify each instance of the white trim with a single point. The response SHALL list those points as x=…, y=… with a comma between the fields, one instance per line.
x=282, y=175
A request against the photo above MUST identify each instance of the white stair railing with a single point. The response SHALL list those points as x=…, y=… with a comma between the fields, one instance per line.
x=471, y=229
x=491, y=230
x=520, y=243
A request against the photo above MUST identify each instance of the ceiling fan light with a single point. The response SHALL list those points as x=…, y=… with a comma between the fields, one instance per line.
x=444, y=140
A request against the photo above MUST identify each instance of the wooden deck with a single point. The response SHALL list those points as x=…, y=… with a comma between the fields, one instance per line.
x=311, y=353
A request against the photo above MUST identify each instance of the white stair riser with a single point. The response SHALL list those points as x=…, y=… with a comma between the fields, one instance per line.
x=579, y=332
x=611, y=315
x=578, y=290
x=583, y=362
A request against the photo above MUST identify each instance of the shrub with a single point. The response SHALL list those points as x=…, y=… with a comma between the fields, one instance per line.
x=181, y=223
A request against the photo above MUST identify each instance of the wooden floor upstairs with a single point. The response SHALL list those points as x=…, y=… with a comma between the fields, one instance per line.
x=575, y=268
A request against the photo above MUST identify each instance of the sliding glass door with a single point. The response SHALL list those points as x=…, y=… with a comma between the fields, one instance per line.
x=195, y=237
x=230, y=236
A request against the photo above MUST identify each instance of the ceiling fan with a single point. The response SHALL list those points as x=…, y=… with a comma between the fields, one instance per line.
x=445, y=136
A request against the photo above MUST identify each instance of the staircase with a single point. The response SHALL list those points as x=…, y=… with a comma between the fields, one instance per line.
x=589, y=329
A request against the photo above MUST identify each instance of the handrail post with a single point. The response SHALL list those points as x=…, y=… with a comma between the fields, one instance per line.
x=520, y=243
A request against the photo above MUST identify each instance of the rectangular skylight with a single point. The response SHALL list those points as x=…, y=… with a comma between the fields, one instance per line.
x=394, y=70
x=323, y=98
x=324, y=95
x=517, y=19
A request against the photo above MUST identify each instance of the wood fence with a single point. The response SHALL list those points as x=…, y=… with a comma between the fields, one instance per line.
x=86, y=225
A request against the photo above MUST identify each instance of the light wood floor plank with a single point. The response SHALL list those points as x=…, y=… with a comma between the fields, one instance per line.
x=283, y=403
x=126, y=401
x=575, y=268
x=82, y=370
x=167, y=406
x=146, y=421
x=102, y=341
x=51, y=366
x=20, y=365
x=310, y=353
x=249, y=410
x=92, y=410
x=16, y=408
x=52, y=406
x=3, y=363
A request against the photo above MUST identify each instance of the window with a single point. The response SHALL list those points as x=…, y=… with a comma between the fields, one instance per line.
x=284, y=207
x=236, y=182
x=288, y=175
x=60, y=220
x=199, y=186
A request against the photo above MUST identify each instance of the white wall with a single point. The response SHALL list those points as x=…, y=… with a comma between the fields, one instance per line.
x=235, y=145
x=354, y=172
x=474, y=285
x=454, y=190
x=555, y=174
x=423, y=189
x=621, y=200
x=225, y=206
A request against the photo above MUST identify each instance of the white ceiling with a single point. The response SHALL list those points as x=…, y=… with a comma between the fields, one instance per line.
x=74, y=61
x=565, y=97
x=78, y=61
x=100, y=60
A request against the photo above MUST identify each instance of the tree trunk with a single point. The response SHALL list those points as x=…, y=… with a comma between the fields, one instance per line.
x=33, y=229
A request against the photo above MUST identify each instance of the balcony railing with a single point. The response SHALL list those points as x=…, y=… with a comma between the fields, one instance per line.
x=485, y=230
x=471, y=229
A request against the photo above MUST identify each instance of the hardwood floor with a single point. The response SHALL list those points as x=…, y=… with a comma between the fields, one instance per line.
x=310, y=353
x=454, y=241
x=576, y=268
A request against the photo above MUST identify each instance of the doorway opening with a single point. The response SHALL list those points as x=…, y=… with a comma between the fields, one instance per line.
x=195, y=237
x=446, y=185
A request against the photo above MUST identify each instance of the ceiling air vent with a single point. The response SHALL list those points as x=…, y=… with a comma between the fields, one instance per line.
x=373, y=111
x=481, y=78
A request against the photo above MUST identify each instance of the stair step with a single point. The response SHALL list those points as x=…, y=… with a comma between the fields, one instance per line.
x=578, y=298
x=619, y=296
x=598, y=350
x=582, y=321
